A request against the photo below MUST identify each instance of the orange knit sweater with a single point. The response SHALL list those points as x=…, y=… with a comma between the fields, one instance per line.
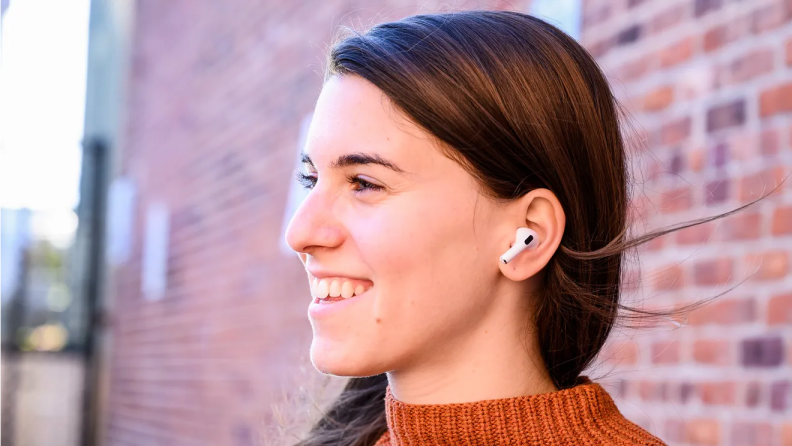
x=582, y=415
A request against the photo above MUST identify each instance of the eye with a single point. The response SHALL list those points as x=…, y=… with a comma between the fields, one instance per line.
x=363, y=184
x=307, y=181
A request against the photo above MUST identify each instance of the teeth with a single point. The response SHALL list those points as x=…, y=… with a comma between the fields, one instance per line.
x=335, y=289
x=322, y=289
x=346, y=290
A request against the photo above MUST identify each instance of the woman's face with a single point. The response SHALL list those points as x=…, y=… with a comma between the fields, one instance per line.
x=421, y=237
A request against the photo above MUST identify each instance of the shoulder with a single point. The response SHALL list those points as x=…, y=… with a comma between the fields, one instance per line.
x=618, y=430
x=608, y=426
x=632, y=434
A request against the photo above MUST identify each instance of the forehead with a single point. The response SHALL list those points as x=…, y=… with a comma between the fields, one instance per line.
x=353, y=115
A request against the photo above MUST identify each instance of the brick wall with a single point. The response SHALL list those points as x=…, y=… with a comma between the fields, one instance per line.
x=217, y=92
x=708, y=85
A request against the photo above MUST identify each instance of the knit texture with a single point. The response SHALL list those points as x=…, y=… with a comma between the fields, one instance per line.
x=581, y=415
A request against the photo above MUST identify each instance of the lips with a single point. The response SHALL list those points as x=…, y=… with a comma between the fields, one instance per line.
x=322, y=308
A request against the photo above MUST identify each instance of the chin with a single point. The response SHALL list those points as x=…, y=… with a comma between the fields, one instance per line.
x=339, y=359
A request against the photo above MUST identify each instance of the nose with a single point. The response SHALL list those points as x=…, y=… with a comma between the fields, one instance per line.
x=314, y=225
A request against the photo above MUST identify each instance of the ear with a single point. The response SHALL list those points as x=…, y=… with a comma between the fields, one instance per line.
x=541, y=211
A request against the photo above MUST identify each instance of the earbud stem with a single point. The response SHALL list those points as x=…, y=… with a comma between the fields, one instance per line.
x=525, y=238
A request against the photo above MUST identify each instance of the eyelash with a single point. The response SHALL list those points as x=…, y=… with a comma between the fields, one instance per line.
x=309, y=182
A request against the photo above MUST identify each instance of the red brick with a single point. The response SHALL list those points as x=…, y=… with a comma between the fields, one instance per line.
x=752, y=433
x=634, y=3
x=667, y=19
x=786, y=434
x=723, y=34
x=712, y=352
x=782, y=220
x=742, y=144
x=771, y=265
x=676, y=430
x=762, y=351
x=633, y=70
x=659, y=98
x=717, y=393
x=650, y=390
x=742, y=226
x=629, y=35
x=716, y=191
x=696, y=431
x=696, y=159
x=656, y=244
x=789, y=52
x=668, y=278
x=776, y=100
x=677, y=163
x=753, y=394
x=751, y=65
x=726, y=115
x=665, y=352
x=779, y=309
x=675, y=131
x=686, y=392
x=754, y=186
x=676, y=200
x=724, y=312
x=789, y=354
x=677, y=52
x=769, y=141
x=597, y=16
x=769, y=17
x=713, y=272
x=720, y=154
x=703, y=431
x=696, y=235
x=780, y=395
x=714, y=38
x=703, y=7
x=625, y=353
x=599, y=49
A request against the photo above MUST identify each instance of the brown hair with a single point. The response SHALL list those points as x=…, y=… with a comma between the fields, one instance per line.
x=520, y=105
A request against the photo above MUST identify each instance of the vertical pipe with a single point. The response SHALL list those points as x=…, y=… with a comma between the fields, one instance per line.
x=96, y=150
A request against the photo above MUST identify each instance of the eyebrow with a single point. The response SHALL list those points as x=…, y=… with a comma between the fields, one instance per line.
x=358, y=158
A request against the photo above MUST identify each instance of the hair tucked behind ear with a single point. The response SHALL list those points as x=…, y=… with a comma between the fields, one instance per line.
x=520, y=105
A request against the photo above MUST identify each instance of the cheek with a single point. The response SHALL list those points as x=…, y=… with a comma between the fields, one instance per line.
x=423, y=256
x=399, y=241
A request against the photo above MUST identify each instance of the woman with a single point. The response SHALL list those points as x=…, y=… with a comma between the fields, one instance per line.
x=436, y=139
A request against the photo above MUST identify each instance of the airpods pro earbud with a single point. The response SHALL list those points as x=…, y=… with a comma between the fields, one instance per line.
x=526, y=239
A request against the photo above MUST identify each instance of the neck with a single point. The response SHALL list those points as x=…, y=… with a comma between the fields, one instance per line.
x=496, y=359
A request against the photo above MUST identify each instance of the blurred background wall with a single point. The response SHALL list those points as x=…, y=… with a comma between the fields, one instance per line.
x=191, y=310
x=709, y=84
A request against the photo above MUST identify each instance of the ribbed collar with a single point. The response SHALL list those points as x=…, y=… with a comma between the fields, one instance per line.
x=583, y=414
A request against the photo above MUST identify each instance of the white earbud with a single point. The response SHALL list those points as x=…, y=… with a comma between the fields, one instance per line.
x=526, y=239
